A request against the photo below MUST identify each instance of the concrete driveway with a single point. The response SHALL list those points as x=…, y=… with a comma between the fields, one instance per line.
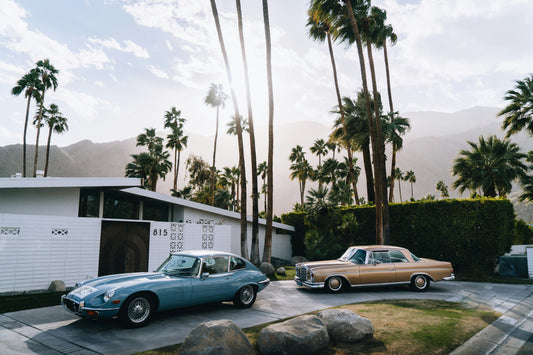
x=51, y=330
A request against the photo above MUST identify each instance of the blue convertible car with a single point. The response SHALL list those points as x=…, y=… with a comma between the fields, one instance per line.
x=184, y=279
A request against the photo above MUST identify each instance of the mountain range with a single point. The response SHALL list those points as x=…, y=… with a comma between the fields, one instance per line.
x=429, y=149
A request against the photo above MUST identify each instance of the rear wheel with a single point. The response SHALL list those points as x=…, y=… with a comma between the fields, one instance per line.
x=334, y=284
x=245, y=297
x=137, y=311
x=420, y=283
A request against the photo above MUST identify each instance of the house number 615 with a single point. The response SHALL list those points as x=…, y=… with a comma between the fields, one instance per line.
x=160, y=232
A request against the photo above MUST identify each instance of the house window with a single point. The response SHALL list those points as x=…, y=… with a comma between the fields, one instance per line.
x=121, y=206
x=155, y=211
x=89, y=203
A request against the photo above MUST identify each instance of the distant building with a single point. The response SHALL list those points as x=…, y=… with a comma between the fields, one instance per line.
x=71, y=229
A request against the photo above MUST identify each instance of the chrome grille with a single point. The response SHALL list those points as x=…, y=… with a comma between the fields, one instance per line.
x=301, y=272
x=72, y=305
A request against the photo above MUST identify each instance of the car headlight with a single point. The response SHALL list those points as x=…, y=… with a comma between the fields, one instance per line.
x=108, y=294
x=312, y=276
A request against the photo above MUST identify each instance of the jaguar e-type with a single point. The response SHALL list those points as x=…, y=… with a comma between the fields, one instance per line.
x=183, y=279
x=373, y=265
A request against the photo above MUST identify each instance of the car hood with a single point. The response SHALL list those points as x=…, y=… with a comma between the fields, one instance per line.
x=123, y=280
x=325, y=263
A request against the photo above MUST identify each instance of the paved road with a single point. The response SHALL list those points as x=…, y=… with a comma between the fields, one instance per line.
x=51, y=330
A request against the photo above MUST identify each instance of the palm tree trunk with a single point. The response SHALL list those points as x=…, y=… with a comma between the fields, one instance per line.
x=244, y=222
x=48, y=151
x=381, y=151
x=400, y=189
x=267, y=251
x=392, y=174
x=367, y=162
x=254, y=254
x=175, y=185
x=351, y=174
x=37, y=138
x=24, y=137
x=213, y=168
x=373, y=134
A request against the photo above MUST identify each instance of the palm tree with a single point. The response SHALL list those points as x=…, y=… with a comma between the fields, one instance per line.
x=398, y=175
x=156, y=159
x=518, y=115
x=358, y=133
x=491, y=165
x=254, y=255
x=411, y=178
x=176, y=140
x=442, y=188
x=216, y=97
x=320, y=149
x=320, y=28
x=394, y=128
x=262, y=170
x=31, y=85
x=56, y=123
x=231, y=177
x=47, y=76
x=242, y=167
x=267, y=251
x=300, y=168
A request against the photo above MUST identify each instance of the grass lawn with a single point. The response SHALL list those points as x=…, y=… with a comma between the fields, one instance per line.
x=425, y=327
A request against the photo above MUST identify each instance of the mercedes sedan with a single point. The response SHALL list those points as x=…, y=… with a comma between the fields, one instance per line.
x=373, y=265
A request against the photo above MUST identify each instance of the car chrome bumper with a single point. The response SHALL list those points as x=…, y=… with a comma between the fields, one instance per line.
x=79, y=309
x=308, y=284
x=449, y=278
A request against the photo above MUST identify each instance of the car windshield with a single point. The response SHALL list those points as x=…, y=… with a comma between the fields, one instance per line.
x=348, y=254
x=182, y=265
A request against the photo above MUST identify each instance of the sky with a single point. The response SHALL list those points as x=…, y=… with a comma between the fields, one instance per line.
x=122, y=64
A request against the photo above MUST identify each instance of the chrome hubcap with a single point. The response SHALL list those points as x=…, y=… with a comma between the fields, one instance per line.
x=420, y=282
x=247, y=294
x=334, y=284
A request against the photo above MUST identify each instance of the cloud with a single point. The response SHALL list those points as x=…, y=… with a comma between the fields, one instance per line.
x=158, y=72
x=128, y=47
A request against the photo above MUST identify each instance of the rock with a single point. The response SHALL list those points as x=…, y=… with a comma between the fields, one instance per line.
x=281, y=271
x=301, y=335
x=298, y=259
x=220, y=337
x=57, y=286
x=346, y=326
x=277, y=262
x=267, y=269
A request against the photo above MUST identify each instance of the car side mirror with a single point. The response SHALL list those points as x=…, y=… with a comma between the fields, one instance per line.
x=377, y=262
x=205, y=275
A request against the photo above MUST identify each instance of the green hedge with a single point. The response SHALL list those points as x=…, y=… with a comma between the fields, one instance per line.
x=470, y=233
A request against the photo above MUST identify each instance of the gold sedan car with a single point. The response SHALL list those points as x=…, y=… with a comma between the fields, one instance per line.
x=371, y=265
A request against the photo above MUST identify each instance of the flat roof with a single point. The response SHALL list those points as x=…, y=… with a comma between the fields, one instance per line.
x=47, y=182
x=199, y=206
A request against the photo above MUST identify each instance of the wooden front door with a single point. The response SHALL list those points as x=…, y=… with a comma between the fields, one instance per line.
x=124, y=247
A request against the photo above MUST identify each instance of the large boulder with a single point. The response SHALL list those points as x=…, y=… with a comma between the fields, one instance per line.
x=346, y=326
x=301, y=335
x=298, y=259
x=57, y=286
x=267, y=269
x=218, y=337
x=281, y=271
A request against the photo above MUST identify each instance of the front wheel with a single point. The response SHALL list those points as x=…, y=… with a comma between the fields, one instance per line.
x=136, y=311
x=420, y=283
x=245, y=297
x=334, y=284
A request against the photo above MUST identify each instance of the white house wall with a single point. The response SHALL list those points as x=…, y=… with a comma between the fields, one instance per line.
x=49, y=201
x=172, y=237
x=281, y=243
x=35, y=250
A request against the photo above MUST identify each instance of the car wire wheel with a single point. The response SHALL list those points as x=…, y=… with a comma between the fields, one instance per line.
x=245, y=297
x=137, y=311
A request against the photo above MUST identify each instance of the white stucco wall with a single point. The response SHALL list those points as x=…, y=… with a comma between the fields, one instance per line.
x=42, y=201
x=35, y=250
